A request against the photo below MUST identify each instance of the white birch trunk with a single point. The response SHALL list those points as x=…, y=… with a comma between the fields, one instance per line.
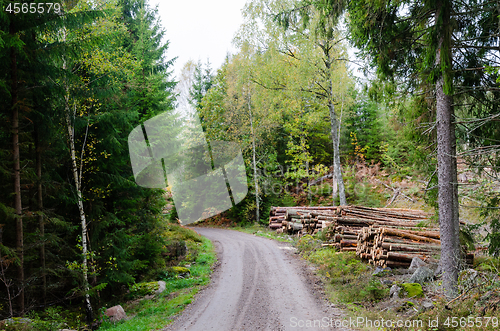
x=83, y=220
x=337, y=170
x=257, y=213
x=77, y=179
x=335, y=130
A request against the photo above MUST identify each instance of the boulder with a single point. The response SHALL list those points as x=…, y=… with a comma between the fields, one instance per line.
x=143, y=289
x=405, y=306
x=175, y=250
x=387, y=282
x=116, y=313
x=421, y=275
x=179, y=272
x=416, y=262
x=162, y=285
x=394, y=292
x=427, y=305
x=438, y=271
x=380, y=272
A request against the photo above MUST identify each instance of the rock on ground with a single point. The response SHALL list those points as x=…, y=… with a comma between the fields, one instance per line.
x=162, y=287
x=421, y=275
x=416, y=262
x=116, y=313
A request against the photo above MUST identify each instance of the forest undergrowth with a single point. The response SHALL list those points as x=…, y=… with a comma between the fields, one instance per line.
x=145, y=309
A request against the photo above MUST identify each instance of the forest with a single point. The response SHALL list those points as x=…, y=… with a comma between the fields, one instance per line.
x=317, y=89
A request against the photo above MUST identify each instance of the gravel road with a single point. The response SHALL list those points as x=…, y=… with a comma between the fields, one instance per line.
x=258, y=284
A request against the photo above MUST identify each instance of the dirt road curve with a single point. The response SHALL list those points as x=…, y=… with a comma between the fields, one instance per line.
x=259, y=285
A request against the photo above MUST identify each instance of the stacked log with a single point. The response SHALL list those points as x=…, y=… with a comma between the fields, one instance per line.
x=300, y=220
x=341, y=225
x=387, y=237
x=396, y=246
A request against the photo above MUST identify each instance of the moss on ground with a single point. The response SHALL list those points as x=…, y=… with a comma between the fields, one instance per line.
x=412, y=290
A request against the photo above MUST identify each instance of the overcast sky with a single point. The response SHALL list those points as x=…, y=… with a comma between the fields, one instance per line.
x=199, y=29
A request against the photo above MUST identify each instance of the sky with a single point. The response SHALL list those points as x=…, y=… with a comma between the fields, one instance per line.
x=199, y=29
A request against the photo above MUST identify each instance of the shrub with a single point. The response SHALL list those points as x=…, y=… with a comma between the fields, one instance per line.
x=375, y=290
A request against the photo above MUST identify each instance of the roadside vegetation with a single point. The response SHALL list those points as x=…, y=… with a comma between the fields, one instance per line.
x=150, y=312
x=183, y=275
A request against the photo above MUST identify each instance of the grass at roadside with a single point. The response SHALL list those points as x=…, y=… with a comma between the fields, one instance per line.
x=156, y=312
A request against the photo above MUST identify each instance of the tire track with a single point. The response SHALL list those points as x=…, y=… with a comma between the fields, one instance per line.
x=258, y=285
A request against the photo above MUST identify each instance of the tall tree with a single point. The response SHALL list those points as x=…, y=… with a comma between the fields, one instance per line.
x=314, y=45
x=16, y=162
x=430, y=47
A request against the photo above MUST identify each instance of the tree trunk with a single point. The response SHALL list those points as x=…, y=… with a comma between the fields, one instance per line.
x=17, y=176
x=447, y=180
x=404, y=234
x=38, y=151
x=77, y=179
x=3, y=276
x=257, y=213
x=337, y=170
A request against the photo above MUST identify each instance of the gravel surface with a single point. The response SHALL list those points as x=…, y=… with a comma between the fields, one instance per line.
x=258, y=284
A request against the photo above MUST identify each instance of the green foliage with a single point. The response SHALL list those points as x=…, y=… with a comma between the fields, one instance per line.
x=366, y=134
x=375, y=290
x=487, y=263
x=203, y=79
x=308, y=244
x=342, y=267
x=359, y=191
x=348, y=278
x=55, y=318
x=179, y=232
x=155, y=313
x=492, y=213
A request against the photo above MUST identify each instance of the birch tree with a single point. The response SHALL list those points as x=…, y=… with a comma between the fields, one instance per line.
x=79, y=102
x=316, y=58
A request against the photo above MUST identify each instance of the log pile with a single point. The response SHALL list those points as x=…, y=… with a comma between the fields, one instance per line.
x=386, y=237
x=389, y=246
x=301, y=220
x=345, y=220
